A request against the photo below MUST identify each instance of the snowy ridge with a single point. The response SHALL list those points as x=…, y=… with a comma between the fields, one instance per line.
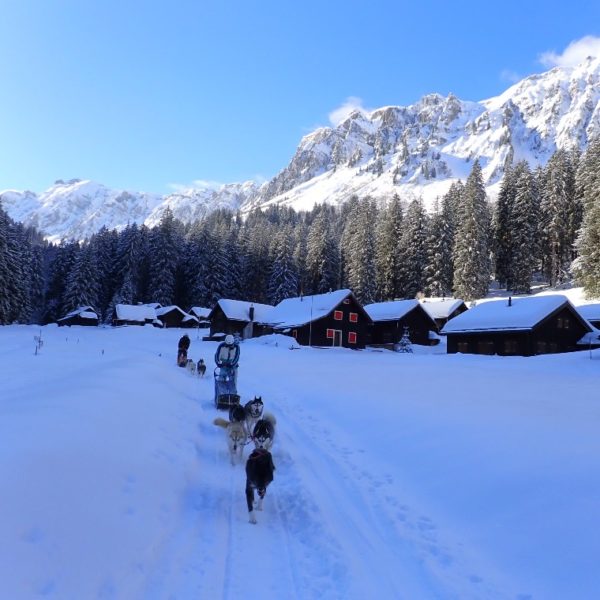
x=416, y=150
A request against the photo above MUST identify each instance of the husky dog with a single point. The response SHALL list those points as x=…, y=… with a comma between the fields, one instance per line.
x=190, y=365
x=259, y=474
x=264, y=432
x=236, y=437
x=237, y=413
x=254, y=410
x=201, y=367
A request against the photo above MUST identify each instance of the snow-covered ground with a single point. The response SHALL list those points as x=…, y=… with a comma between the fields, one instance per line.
x=416, y=476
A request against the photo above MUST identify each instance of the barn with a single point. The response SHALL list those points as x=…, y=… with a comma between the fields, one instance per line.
x=390, y=319
x=135, y=314
x=84, y=315
x=244, y=319
x=202, y=315
x=332, y=319
x=173, y=316
x=519, y=326
x=441, y=310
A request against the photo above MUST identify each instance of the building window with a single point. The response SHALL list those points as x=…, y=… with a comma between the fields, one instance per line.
x=351, y=337
x=353, y=317
x=338, y=315
x=295, y=333
x=485, y=347
x=330, y=333
x=463, y=347
x=511, y=347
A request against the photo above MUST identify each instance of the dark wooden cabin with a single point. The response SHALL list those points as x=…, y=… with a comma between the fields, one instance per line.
x=84, y=315
x=237, y=317
x=519, y=326
x=441, y=310
x=173, y=316
x=591, y=313
x=390, y=319
x=333, y=319
x=202, y=315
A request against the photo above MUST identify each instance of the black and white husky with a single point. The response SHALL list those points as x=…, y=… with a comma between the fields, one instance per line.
x=259, y=474
x=236, y=437
x=264, y=431
x=254, y=411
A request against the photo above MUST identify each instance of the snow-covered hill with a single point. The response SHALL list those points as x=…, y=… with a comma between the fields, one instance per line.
x=410, y=150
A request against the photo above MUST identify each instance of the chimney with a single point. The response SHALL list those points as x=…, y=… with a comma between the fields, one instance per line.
x=251, y=312
x=510, y=300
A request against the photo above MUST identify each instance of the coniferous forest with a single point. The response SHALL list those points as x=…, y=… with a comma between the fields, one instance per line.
x=544, y=226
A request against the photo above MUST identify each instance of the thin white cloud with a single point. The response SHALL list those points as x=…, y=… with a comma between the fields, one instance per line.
x=576, y=52
x=351, y=104
x=197, y=184
x=510, y=76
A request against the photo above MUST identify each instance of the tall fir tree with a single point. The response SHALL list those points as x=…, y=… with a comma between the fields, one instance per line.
x=283, y=278
x=388, y=255
x=414, y=248
x=322, y=260
x=503, y=244
x=471, y=247
x=439, y=272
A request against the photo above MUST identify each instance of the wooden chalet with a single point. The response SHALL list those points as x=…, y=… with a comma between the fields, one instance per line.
x=84, y=315
x=173, y=316
x=202, y=315
x=518, y=326
x=237, y=317
x=333, y=319
x=135, y=314
x=441, y=310
x=591, y=313
x=390, y=319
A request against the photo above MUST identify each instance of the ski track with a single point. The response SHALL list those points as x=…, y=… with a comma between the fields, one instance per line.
x=304, y=518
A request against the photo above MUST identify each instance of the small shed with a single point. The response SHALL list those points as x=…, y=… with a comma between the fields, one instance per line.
x=202, y=314
x=173, y=316
x=135, y=314
x=245, y=319
x=441, y=310
x=332, y=319
x=84, y=315
x=390, y=319
x=520, y=326
x=591, y=313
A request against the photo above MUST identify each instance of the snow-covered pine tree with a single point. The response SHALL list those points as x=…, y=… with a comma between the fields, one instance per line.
x=283, y=278
x=322, y=259
x=60, y=267
x=503, y=244
x=388, y=257
x=359, y=250
x=9, y=270
x=586, y=267
x=164, y=258
x=439, y=273
x=524, y=218
x=105, y=244
x=404, y=345
x=471, y=247
x=415, y=232
x=559, y=211
x=82, y=285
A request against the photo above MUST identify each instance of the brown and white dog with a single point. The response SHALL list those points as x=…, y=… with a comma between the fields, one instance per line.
x=254, y=410
x=259, y=474
x=236, y=437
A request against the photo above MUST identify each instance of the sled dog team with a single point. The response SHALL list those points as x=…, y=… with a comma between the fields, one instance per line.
x=245, y=423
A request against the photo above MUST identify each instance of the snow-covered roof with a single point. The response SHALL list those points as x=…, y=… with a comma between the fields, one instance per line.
x=590, y=338
x=167, y=309
x=135, y=312
x=497, y=315
x=440, y=308
x=239, y=310
x=589, y=311
x=390, y=311
x=294, y=312
x=190, y=318
x=85, y=312
x=200, y=312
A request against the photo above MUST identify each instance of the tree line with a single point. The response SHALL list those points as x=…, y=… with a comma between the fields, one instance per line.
x=545, y=224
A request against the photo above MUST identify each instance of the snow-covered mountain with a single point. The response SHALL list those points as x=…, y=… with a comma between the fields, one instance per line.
x=410, y=150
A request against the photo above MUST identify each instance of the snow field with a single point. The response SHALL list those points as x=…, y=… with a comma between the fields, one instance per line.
x=398, y=476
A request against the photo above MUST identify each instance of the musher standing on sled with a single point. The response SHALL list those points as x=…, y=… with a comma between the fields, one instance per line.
x=227, y=356
x=182, y=348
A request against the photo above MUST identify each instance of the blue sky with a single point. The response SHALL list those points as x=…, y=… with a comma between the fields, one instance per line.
x=147, y=95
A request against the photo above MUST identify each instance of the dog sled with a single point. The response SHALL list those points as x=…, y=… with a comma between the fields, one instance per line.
x=226, y=358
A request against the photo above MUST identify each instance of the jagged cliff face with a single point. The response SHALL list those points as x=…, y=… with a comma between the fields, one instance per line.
x=414, y=150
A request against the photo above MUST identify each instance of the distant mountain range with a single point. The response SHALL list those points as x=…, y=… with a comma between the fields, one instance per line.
x=410, y=150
